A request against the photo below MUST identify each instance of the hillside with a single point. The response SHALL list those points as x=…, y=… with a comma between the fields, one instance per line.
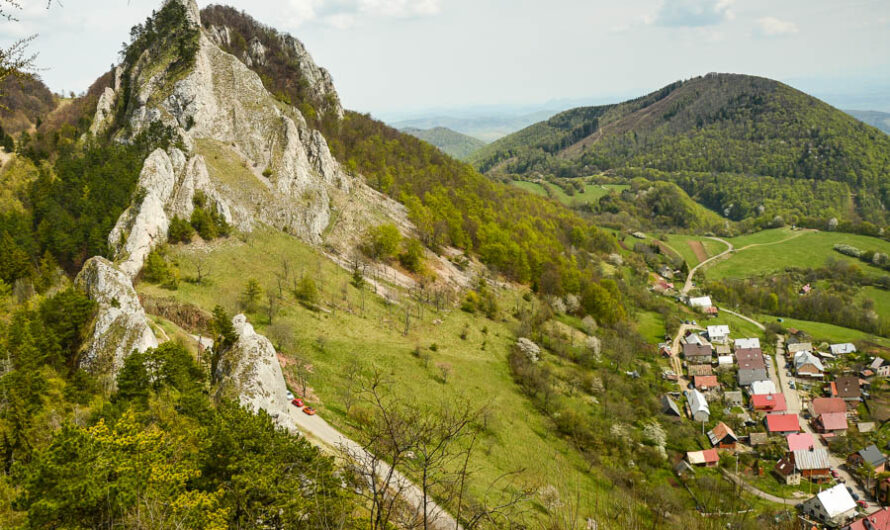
x=26, y=101
x=725, y=130
x=458, y=145
x=875, y=118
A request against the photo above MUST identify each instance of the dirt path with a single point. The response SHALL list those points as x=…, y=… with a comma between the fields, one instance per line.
x=698, y=249
x=735, y=479
x=676, y=363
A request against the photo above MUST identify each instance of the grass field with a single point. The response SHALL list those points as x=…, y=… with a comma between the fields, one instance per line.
x=592, y=192
x=531, y=187
x=782, y=248
x=880, y=297
x=651, y=325
x=329, y=341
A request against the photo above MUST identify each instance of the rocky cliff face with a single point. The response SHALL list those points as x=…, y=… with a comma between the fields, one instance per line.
x=121, y=325
x=287, y=177
x=250, y=371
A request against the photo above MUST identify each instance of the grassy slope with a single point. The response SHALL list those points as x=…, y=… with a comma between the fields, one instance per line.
x=517, y=432
x=827, y=332
x=531, y=187
x=781, y=250
x=680, y=243
x=592, y=193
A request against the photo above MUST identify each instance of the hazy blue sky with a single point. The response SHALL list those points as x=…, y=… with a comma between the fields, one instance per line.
x=404, y=55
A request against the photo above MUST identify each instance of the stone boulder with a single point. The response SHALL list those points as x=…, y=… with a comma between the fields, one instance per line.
x=250, y=372
x=120, y=326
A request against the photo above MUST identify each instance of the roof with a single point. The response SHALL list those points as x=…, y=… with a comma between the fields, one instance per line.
x=847, y=386
x=876, y=363
x=836, y=501
x=700, y=369
x=721, y=330
x=865, y=426
x=803, y=358
x=697, y=401
x=763, y=387
x=695, y=338
x=800, y=441
x=722, y=349
x=872, y=455
x=757, y=438
x=725, y=360
x=839, y=349
x=697, y=350
x=707, y=456
x=747, y=343
x=785, y=466
x=750, y=358
x=770, y=402
x=669, y=406
x=794, y=347
x=748, y=376
x=721, y=432
x=705, y=381
x=700, y=301
x=879, y=520
x=782, y=423
x=823, y=405
x=810, y=459
x=834, y=421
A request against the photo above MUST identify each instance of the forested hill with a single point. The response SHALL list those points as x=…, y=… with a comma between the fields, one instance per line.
x=456, y=144
x=719, y=123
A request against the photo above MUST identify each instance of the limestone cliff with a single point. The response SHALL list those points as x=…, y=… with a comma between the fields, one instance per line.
x=120, y=325
x=280, y=170
x=250, y=371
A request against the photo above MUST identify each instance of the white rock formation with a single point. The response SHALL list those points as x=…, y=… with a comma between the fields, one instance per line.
x=121, y=325
x=104, y=110
x=250, y=370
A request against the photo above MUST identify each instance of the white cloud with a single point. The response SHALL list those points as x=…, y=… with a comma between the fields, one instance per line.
x=692, y=13
x=773, y=27
x=344, y=14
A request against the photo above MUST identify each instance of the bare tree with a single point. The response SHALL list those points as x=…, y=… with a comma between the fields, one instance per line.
x=352, y=374
x=444, y=371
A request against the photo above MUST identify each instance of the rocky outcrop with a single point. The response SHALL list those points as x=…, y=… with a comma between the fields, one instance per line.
x=120, y=326
x=104, y=111
x=250, y=372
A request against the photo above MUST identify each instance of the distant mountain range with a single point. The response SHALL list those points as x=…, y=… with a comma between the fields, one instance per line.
x=484, y=127
x=458, y=145
x=734, y=142
x=875, y=118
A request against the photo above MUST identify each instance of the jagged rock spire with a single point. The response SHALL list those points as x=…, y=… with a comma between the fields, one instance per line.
x=192, y=11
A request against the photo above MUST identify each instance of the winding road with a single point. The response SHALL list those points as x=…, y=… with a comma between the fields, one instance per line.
x=688, y=285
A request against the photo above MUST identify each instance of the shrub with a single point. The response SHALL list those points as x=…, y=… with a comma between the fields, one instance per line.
x=306, y=291
x=412, y=255
x=180, y=231
x=382, y=241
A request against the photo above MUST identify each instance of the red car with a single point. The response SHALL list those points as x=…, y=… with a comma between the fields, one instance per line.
x=861, y=503
x=309, y=410
x=834, y=474
x=297, y=402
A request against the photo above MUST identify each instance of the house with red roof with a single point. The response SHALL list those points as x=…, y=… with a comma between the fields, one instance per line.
x=835, y=422
x=707, y=457
x=821, y=405
x=879, y=520
x=705, y=382
x=722, y=436
x=782, y=423
x=769, y=402
x=800, y=441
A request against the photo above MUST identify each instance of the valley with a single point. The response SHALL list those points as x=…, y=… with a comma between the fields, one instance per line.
x=227, y=301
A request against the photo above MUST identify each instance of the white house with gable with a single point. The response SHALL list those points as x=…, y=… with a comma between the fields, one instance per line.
x=833, y=506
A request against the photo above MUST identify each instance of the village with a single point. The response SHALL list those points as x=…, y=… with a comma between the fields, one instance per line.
x=793, y=422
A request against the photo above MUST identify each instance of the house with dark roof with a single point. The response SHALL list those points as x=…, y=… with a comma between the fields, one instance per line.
x=848, y=387
x=870, y=455
x=697, y=353
x=747, y=376
x=722, y=436
x=786, y=471
x=669, y=406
